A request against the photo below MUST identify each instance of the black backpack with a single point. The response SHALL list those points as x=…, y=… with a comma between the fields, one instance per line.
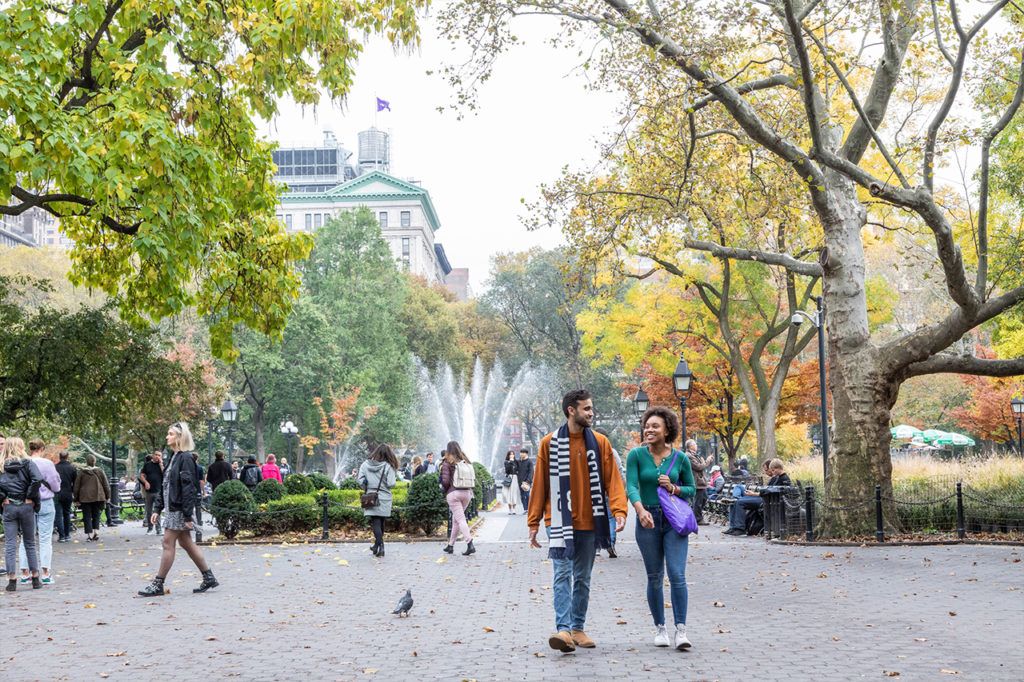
x=250, y=476
x=754, y=523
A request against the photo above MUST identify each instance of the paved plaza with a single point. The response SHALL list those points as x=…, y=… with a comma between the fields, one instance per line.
x=756, y=611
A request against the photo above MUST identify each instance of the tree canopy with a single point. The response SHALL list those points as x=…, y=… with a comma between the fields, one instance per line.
x=133, y=122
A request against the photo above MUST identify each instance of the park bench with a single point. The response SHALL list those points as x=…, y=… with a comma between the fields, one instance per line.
x=718, y=507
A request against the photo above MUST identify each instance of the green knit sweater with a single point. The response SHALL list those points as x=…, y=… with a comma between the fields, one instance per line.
x=642, y=476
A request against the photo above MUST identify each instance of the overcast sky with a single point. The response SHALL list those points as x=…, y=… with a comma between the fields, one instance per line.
x=535, y=116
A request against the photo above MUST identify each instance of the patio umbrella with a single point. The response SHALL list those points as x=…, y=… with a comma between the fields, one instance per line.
x=954, y=439
x=931, y=435
x=905, y=432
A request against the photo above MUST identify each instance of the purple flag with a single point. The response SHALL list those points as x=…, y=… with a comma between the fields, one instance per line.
x=383, y=104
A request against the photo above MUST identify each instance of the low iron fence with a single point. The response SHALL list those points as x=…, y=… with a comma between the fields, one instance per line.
x=939, y=506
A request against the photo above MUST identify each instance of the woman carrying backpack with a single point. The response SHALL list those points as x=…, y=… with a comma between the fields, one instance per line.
x=457, y=480
x=377, y=476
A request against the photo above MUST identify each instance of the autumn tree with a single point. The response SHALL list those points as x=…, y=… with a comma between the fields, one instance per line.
x=834, y=95
x=134, y=123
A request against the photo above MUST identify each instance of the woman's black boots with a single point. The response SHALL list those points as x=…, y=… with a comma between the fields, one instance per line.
x=209, y=582
x=470, y=549
x=154, y=589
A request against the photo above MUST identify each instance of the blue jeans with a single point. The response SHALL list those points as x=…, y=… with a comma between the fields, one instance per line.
x=571, y=584
x=738, y=510
x=662, y=546
x=44, y=541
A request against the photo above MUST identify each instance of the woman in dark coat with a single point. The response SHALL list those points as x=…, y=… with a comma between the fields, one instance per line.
x=178, y=497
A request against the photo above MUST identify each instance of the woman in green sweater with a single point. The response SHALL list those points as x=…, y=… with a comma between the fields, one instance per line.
x=653, y=465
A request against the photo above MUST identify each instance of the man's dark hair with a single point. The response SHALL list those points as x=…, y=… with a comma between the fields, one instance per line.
x=574, y=398
x=670, y=419
x=219, y=455
x=252, y=459
x=64, y=454
x=35, y=445
x=524, y=450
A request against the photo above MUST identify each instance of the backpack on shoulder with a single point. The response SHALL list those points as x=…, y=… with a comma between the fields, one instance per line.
x=251, y=475
x=465, y=476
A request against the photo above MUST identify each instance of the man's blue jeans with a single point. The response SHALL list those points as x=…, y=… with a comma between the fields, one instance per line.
x=663, y=547
x=738, y=510
x=571, y=584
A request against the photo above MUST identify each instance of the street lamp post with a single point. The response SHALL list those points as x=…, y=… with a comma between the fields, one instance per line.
x=1017, y=405
x=682, y=380
x=289, y=431
x=818, y=320
x=229, y=413
x=640, y=404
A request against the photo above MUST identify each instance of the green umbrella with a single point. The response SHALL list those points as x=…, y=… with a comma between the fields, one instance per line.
x=954, y=439
x=905, y=432
x=931, y=435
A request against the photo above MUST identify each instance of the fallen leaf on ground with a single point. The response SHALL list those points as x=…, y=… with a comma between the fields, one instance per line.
x=369, y=671
x=719, y=604
x=952, y=613
x=113, y=654
x=441, y=560
x=620, y=622
x=488, y=629
x=946, y=671
x=90, y=606
x=891, y=673
x=920, y=639
x=211, y=638
x=539, y=654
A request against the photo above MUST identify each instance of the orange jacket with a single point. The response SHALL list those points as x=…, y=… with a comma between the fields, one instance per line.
x=579, y=484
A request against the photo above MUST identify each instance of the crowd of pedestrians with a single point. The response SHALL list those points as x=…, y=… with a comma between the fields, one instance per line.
x=578, y=488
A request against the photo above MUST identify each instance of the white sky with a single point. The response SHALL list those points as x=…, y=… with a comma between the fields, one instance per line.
x=534, y=117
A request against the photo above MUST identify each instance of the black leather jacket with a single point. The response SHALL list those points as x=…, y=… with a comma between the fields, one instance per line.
x=20, y=480
x=180, y=485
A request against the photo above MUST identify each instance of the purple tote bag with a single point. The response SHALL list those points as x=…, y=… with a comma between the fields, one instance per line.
x=675, y=508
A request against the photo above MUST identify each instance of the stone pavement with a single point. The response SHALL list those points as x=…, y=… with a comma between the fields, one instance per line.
x=756, y=611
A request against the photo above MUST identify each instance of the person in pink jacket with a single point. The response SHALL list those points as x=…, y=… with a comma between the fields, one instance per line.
x=271, y=470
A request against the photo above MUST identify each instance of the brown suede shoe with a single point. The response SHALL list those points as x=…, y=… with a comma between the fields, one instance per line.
x=562, y=641
x=582, y=639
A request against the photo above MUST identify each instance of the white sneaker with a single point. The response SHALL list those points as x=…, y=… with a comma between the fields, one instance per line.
x=661, y=636
x=682, y=642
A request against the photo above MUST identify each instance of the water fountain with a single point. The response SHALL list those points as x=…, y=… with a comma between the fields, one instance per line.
x=476, y=417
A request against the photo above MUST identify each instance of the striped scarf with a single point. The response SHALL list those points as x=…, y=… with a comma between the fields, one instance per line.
x=561, y=544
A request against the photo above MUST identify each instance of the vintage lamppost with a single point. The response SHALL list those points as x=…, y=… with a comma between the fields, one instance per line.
x=682, y=382
x=1017, y=405
x=229, y=413
x=818, y=320
x=290, y=431
x=640, y=403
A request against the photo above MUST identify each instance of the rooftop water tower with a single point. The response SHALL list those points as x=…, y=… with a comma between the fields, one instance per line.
x=374, y=151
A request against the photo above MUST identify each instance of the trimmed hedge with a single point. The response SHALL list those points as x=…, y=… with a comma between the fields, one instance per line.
x=267, y=490
x=349, y=483
x=232, y=505
x=297, y=484
x=320, y=481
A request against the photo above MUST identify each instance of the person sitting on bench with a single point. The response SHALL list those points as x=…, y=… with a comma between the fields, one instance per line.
x=751, y=499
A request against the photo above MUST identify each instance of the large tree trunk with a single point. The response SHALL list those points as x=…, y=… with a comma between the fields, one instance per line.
x=258, y=416
x=862, y=398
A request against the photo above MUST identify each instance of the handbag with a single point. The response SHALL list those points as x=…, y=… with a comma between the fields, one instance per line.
x=676, y=510
x=370, y=500
x=507, y=482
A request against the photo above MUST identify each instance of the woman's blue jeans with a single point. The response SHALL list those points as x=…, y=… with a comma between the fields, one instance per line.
x=662, y=546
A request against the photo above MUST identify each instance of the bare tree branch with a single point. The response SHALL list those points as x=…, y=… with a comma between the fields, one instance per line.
x=986, y=145
x=928, y=164
x=896, y=35
x=946, y=363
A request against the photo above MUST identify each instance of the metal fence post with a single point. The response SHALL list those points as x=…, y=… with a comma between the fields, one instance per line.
x=325, y=501
x=879, y=530
x=809, y=512
x=960, y=532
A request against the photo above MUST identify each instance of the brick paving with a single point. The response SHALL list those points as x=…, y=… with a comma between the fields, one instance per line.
x=756, y=611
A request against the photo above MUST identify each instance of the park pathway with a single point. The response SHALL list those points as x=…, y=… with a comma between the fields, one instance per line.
x=322, y=612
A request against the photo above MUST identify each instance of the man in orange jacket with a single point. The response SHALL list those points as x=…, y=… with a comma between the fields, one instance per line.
x=577, y=490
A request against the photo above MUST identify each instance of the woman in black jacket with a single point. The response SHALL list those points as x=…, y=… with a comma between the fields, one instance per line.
x=178, y=497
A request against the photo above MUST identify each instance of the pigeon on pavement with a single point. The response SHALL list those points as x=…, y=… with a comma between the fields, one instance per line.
x=404, y=604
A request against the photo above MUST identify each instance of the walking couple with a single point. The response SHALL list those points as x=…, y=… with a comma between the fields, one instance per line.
x=579, y=493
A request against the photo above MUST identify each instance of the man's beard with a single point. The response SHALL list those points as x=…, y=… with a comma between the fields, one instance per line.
x=581, y=422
